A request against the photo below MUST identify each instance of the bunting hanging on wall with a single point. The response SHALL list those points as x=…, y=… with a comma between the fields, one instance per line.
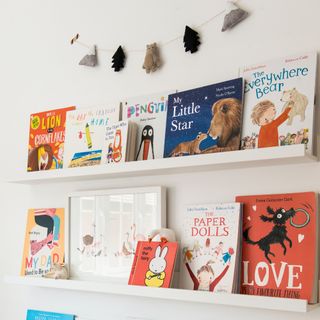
x=190, y=40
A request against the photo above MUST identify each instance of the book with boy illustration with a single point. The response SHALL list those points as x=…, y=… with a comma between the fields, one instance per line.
x=45, y=315
x=150, y=113
x=280, y=245
x=44, y=241
x=153, y=264
x=279, y=102
x=85, y=135
x=210, y=245
x=120, y=142
x=46, y=139
x=204, y=120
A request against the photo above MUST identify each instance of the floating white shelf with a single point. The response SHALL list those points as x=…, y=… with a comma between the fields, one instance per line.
x=235, y=300
x=206, y=162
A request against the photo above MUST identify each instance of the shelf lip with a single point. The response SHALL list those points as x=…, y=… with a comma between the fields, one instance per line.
x=233, y=300
x=205, y=162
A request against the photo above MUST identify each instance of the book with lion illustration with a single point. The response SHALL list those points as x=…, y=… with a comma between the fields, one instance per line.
x=211, y=242
x=46, y=139
x=279, y=102
x=85, y=135
x=153, y=264
x=280, y=245
x=44, y=241
x=150, y=114
x=204, y=120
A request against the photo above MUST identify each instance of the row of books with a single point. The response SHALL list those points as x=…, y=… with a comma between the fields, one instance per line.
x=266, y=245
x=270, y=104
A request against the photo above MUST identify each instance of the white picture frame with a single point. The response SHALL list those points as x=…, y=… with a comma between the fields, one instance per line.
x=104, y=227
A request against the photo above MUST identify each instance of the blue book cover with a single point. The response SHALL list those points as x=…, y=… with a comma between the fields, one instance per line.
x=44, y=315
x=204, y=120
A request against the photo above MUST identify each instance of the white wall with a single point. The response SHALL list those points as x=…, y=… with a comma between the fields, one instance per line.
x=38, y=70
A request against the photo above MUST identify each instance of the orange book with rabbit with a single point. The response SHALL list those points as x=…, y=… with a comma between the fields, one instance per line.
x=153, y=264
x=280, y=251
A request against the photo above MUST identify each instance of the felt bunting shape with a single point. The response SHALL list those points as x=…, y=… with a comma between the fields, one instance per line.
x=233, y=16
x=118, y=59
x=191, y=40
x=90, y=59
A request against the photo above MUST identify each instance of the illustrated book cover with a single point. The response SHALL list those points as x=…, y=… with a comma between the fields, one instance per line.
x=204, y=120
x=44, y=241
x=150, y=113
x=153, y=264
x=211, y=242
x=280, y=245
x=46, y=139
x=45, y=315
x=279, y=102
x=85, y=134
x=120, y=142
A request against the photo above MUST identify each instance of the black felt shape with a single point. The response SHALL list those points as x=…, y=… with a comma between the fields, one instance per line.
x=118, y=59
x=191, y=40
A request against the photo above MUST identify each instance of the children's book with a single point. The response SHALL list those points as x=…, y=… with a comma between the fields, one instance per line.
x=120, y=142
x=85, y=135
x=153, y=264
x=204, y=120
x=44, y=315
x=280, y=245
x=46, y=139
x=279, y=102
x=211, y=242
x=44, y=241
x=150, y=113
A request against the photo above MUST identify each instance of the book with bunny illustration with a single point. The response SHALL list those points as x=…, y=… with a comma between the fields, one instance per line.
x=153, y=264
x=46, y=139
x=204, y=120
x=150, y=113
x=120, y=142
x=85, y=135
x=279, y=102
x=44, y=241
x=211, y=242
x=280, y=245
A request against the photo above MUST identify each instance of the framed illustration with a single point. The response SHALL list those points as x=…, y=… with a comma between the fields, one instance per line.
x=105, y=226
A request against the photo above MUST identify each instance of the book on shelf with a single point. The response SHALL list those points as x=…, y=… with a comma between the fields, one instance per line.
x=280, y=245
x=150, y=113
x=45, y=315
x=204, y=120
x=120, y=142
x=44, y=241
x=211, y=247
x=85, y=134
x=279, y=102
x=46, y=139
x=153, y=264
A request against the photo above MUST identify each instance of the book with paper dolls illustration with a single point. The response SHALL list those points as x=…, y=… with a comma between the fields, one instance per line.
x=280, y=248
x=44, y=241
x=210, y=244
x=279, y=102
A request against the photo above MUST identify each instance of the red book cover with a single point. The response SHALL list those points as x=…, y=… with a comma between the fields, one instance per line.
x=46, y=139
x=279, y=253
x=153, y=264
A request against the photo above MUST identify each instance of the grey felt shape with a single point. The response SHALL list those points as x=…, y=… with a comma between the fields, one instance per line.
x=90, y=59
x=233, y=17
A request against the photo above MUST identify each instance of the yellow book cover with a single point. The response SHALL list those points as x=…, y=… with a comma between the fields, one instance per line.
x=44, y=241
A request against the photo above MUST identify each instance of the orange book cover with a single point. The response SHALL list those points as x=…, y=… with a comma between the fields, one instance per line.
x=153, y=264
x=44, y=241
x=46, y=139
x=279, y=253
